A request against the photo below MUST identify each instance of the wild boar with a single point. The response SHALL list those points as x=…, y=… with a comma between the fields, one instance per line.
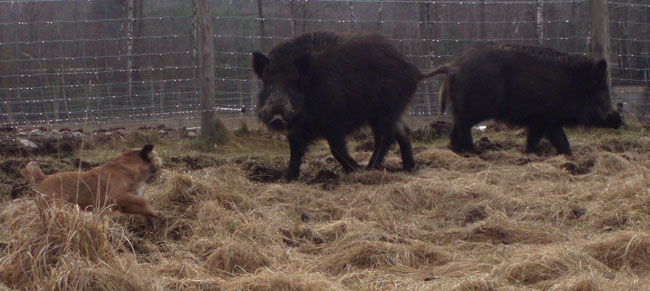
x=325, y=84
x=539, y=88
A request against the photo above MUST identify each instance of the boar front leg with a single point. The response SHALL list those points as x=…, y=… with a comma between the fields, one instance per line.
x=297, y=145
x=559, y=140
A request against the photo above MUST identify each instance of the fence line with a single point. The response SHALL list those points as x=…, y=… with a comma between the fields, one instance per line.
x=71, y=62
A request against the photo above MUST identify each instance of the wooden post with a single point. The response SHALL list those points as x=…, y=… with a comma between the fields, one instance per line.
x=600, y=48
x=482, y=32
x=539, y=21
x=352, y=17
x=206, y=70
x=292, y=17
x=430, y=57
x=129, y=47
x=260, y=17
x=423, y=33
x=422, y=24
x=380, y=20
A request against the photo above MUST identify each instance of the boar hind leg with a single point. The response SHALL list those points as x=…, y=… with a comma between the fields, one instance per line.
x=384, y=138
x=461, y=137
x=340, y=152
x=559, y=140
x=404, y=140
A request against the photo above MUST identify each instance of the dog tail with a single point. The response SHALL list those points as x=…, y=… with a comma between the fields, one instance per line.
x=33, y=172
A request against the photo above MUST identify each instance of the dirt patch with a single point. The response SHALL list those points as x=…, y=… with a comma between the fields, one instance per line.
x=11, y=181
x=194, y=163
x=44, y=141
x=11, y=168
x=327, y=179
x=576, y=211
x=497, y=230
x=111, y=135
x=262, y=173
x=620, y=145
x=40, y=145
x=485, y=144
x=578, y=169
x=473, y=213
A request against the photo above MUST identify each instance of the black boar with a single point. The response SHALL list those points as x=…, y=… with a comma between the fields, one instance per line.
x=324, y=84
x=539, y=88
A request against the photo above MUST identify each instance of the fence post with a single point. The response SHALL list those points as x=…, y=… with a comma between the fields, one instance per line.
x=128, y=10
x=260, y=17
x=206, y=71
x=600, y=48
x=380, y=20
x=351, y=25
x=539, y=21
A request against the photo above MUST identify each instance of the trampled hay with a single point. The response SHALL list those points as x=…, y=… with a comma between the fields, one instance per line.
x=499, y=220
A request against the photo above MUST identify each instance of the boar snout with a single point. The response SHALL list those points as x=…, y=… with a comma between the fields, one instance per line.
x=277, y=123
x=614, y=120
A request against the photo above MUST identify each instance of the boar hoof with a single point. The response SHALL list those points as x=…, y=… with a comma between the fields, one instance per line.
x=409, y=168
x=286, y=178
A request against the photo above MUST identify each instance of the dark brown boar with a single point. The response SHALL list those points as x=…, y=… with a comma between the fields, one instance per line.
x=324, y=84
x=539, y=88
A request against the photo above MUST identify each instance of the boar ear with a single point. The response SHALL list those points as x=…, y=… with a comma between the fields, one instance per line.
x=601, y=68
x=259, y=63
x=146, y=150
x=303, y=63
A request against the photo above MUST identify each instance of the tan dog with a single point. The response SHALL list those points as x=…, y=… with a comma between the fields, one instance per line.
x=117, y=184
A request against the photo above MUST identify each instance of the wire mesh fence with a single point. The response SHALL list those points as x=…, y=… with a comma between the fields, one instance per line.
x=112, y=62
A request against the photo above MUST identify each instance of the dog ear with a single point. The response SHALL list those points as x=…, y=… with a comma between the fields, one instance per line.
x=146, y=150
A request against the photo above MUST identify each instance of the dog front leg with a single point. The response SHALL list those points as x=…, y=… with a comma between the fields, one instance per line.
x=132, y=204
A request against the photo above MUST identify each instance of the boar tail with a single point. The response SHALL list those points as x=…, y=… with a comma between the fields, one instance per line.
x=445, y=69
x=444, y=93
x=33, y=172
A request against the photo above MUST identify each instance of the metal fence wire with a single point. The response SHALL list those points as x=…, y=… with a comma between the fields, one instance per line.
x=111, y=62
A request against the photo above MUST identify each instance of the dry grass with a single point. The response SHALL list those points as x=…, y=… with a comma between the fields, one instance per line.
x=501, y=220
